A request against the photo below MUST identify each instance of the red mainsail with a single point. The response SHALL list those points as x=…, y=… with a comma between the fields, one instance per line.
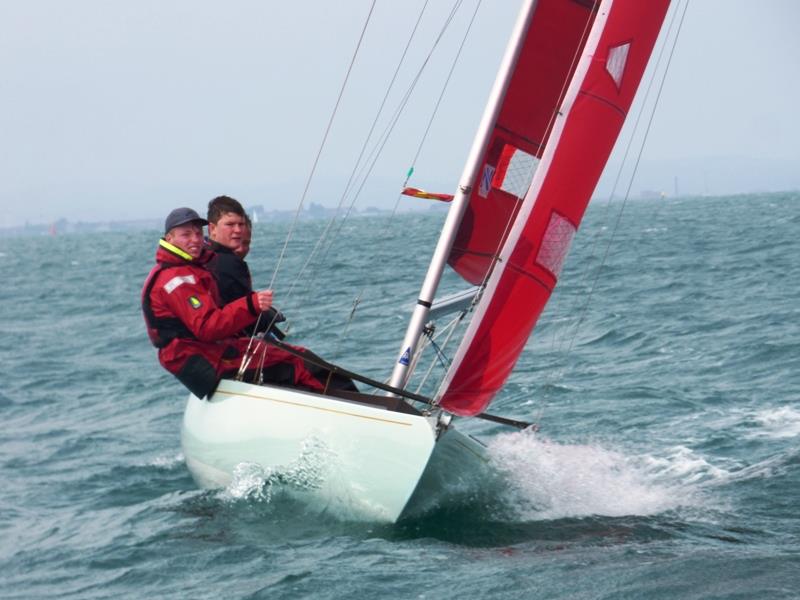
x=573, y=85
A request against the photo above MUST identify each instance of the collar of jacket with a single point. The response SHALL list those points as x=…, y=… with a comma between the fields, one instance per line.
x=170, y=253
x=220, y=249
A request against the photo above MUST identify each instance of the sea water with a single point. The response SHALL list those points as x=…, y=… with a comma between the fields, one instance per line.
x=664, y=378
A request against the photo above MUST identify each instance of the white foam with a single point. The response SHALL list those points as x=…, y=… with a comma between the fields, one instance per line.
x=313, y=478
x=783, y=422
x=683, y=466
x=250, y=481
x=549, y=480
x=166, y=462
x=764, y=469
x=773, y=423
x=308, y=472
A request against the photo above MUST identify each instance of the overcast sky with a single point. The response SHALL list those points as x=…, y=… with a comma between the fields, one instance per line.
x=121, y=110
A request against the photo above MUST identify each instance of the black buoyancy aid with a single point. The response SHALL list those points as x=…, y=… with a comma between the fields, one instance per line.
x=162, y=330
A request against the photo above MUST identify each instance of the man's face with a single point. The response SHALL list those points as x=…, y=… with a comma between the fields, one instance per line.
x=228, y=230
x=188, y=237
x=244, y=247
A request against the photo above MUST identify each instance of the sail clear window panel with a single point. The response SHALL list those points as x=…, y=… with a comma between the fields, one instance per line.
x=555, y=244
x=616, y=61
x=516, y=178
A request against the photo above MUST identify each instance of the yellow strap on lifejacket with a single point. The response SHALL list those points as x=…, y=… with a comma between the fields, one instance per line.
x=174, y=249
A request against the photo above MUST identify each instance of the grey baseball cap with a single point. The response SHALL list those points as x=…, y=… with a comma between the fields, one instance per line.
x=181, y=216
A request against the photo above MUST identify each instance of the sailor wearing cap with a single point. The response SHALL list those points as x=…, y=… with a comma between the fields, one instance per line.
x=195, y=337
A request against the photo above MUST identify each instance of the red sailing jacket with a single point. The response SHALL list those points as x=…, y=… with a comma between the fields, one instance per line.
x=181, y=309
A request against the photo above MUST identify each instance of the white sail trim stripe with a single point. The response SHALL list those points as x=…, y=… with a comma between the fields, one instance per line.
x=177, y=281
x=589, y=51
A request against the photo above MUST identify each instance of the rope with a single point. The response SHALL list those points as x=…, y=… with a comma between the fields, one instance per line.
x=374, y=154
x=349, y=322
x=322, y=144
x=310, y=177
x=324, y=235
x=443, y=360
x=387, y=132
x=441, y=94
x=377, y=150
x=372, y=157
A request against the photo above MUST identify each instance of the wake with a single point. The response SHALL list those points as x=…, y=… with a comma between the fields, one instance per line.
x=548, y=480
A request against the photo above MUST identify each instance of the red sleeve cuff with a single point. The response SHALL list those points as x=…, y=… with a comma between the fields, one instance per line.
x=251, y=304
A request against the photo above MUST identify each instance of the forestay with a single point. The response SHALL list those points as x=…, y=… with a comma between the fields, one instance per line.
x=580, y=65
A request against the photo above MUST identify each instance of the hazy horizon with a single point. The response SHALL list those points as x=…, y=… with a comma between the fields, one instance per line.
x=117, y=111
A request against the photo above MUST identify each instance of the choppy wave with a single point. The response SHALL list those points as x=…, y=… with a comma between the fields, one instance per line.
x=549, y=480
x=167, y=461
x=782, y=422
x=666, y=464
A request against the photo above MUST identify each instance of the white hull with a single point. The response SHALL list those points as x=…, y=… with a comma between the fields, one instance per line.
x=358, y=460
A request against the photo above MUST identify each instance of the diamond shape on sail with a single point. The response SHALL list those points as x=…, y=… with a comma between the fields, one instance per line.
x=515, y=171
x=615, y=63
x=555, y=244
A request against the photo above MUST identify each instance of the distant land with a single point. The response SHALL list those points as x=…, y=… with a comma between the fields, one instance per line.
x=313, y=211
x=103, y=205
x=257, y=213
x=719, y=176
x=654, y=179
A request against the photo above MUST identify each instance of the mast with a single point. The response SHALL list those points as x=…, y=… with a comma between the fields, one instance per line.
x=461, y=198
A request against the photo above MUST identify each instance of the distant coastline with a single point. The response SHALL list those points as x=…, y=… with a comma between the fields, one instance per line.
x=312, y=212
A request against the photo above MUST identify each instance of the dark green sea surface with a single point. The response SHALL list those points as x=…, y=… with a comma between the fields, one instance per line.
x=665, y=378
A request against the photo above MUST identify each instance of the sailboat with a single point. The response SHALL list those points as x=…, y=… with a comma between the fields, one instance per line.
x=564, y=87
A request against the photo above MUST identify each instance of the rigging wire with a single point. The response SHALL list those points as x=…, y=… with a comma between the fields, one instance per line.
x=322, y=144
x=587, y=298
x=442, y=93
x=375, y=153
x=444, y=361
x=308, y=181
x=372, y=158
x=421, y=144
x=325, y=233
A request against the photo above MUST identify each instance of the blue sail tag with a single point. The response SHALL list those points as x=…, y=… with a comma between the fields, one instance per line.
x=486, y=180
x=406, y=358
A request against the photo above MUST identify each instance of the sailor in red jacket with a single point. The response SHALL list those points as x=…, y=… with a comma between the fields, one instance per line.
x=196, y=339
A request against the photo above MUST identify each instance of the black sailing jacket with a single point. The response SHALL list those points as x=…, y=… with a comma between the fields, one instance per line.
x=234, y=281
